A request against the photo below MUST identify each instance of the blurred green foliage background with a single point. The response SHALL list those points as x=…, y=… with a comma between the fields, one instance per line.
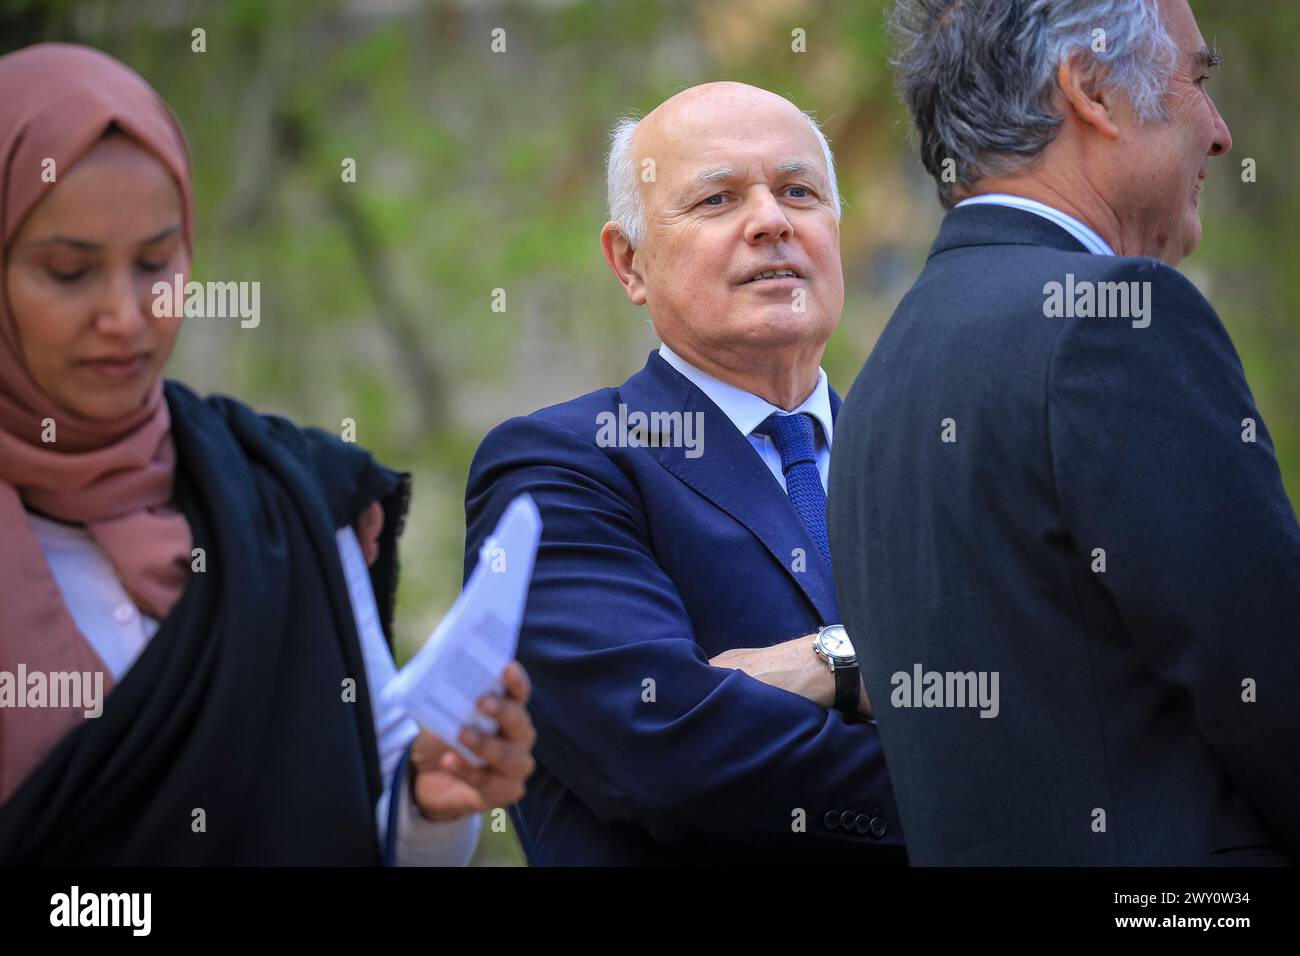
x=479, y=170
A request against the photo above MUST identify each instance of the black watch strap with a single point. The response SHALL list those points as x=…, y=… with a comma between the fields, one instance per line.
x=847, y=689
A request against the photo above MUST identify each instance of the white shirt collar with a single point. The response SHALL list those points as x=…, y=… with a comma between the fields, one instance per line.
x=1085, y=234
x=745, y=409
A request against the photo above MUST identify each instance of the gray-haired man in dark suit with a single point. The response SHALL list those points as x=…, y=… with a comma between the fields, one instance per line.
x=1060, y=534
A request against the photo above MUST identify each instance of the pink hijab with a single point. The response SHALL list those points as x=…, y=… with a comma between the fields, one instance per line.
x=114, y=477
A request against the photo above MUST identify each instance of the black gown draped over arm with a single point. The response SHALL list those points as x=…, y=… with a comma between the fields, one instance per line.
x=231, y=739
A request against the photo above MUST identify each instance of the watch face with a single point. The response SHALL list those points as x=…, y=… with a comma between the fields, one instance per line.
x=835, y=642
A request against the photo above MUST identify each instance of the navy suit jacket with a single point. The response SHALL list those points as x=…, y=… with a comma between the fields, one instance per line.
x=1149, y=706
x=651, y=562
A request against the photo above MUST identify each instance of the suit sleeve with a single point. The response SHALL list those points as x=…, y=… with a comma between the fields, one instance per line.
x=630, y=715
x=1150, y=434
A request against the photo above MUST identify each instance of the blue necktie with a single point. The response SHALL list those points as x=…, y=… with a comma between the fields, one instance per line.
x=793, y=437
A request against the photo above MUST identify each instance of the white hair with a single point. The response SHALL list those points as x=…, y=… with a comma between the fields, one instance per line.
x=627, y=205
x=979, y=76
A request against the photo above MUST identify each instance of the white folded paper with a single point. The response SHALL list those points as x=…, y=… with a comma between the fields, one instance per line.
x=464, y=656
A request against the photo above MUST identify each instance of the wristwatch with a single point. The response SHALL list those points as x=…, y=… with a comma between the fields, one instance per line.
x=834, y=647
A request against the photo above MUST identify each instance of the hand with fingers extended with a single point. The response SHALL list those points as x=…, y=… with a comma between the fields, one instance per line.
x=446, y=786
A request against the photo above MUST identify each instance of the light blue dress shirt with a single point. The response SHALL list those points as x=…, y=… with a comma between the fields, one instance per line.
x=747, y=411
x=1085, y=234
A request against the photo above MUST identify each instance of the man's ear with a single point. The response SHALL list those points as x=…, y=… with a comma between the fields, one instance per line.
x=620, y=255
x=1084, y=95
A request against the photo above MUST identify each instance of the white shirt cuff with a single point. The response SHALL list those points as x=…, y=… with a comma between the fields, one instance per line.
x=422, y=842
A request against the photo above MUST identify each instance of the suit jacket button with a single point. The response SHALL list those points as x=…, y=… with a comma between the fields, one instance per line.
x=878, y=827
x=832, y=819
x=847, y=819
x=863, y=823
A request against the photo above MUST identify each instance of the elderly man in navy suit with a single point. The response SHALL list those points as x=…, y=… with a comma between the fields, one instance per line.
x=1062, y=542
x=695, y=695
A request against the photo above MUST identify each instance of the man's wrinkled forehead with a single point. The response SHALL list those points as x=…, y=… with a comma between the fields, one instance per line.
x=712, y=146
x=1183, y=29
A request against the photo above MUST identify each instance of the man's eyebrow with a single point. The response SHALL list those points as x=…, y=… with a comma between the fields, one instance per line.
x=798, y=166
x=707, y=178
x=1207, y=57
x=715, y=175
x=87, y=245
x=726, y=172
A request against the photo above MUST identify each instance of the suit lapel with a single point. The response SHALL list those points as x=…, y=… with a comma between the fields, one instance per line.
x=731, y=475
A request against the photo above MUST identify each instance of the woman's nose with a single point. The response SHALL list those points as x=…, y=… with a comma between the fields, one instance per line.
x=122, y=310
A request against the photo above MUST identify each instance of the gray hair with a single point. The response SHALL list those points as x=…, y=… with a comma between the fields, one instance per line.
x=979, y=76
x=627, y=205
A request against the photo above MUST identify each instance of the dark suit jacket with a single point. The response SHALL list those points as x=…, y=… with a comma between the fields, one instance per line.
x=1121, y=690
x=652, y=562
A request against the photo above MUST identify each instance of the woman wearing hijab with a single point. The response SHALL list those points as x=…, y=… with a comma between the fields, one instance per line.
x=207, y=563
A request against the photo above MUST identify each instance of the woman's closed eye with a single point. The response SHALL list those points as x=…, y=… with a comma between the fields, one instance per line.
x=73, y=275
x=68, y=275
